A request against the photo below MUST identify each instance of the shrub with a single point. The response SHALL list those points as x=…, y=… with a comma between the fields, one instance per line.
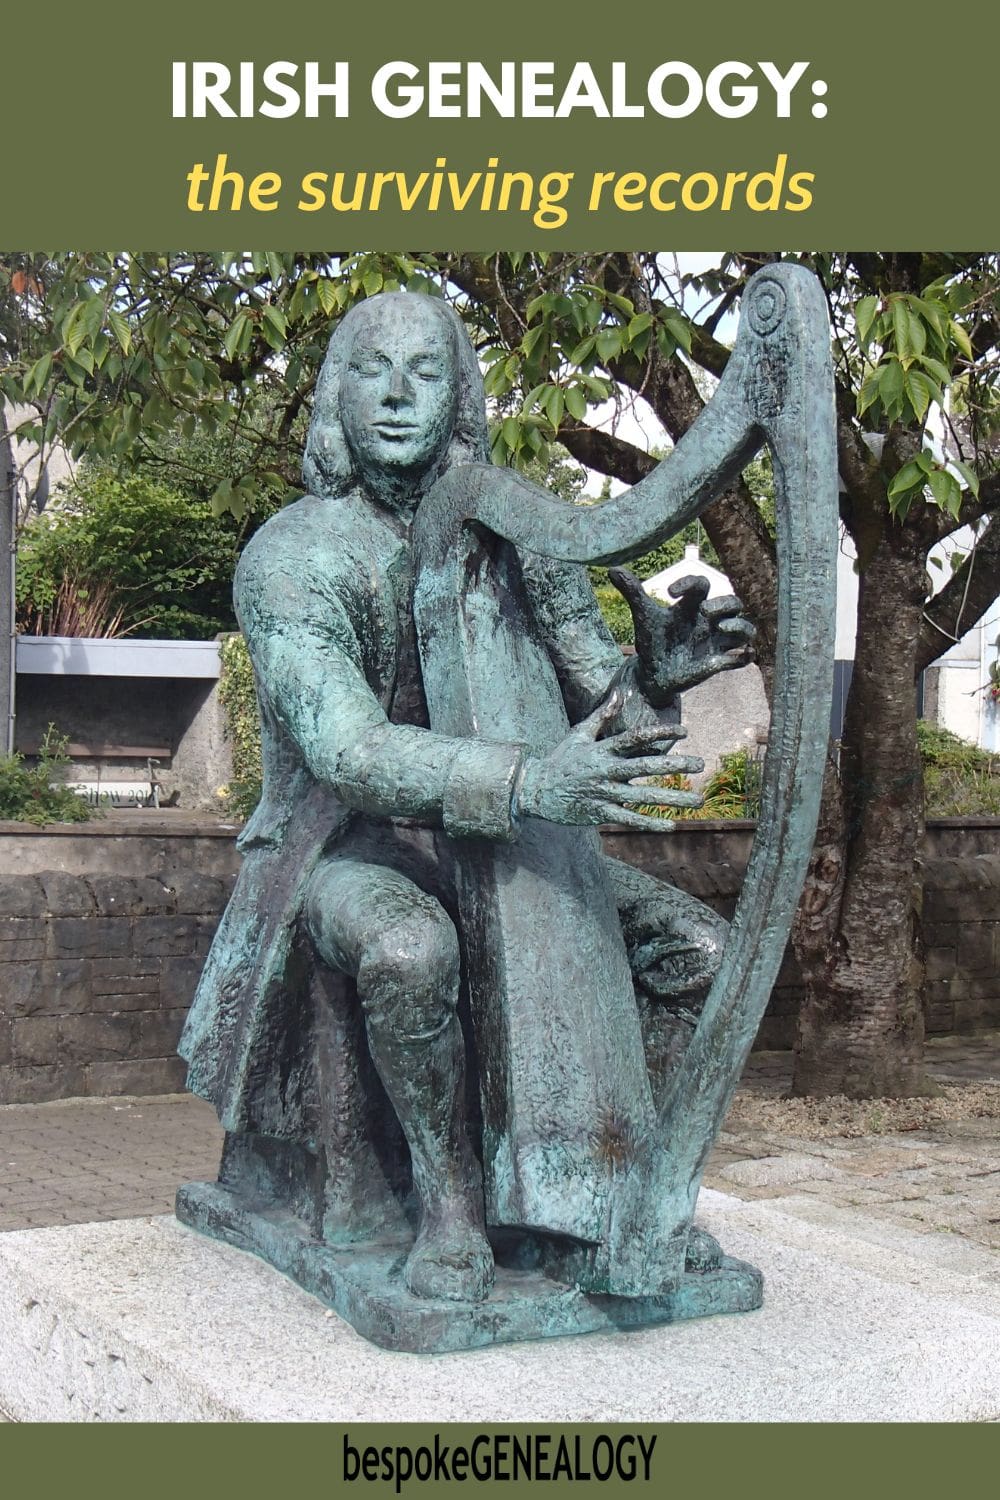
x=732, y=792
x=127, y=556
x=32, y=794
x=238, y=695
x=960, y=780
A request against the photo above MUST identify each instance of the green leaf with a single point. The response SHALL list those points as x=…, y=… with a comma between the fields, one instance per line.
x=531, y=338
x=555, y=405
x=532, y=397
x=935, y=313
x=511, y=429
x=576, y=403
x=118, y=324
x=93, y=317
x=583, y=350
x=131, y=421
x=274, y=326
x=327, y=293
x=911, y=476
x=73, y=330
x=234, y=334
x=221, y=497
x=665, y=342
x=864, y=317
x=970, y=476
x=639, y=324
x=609, y=343
x=915, y=385
x=940, y=372
x=38, y=375
x=901, y=328
x=917, y=333
x=890, y=387
x=961, y=338
x=946, y=490
x=679, y=329
x=868, y=394
x=496, y=381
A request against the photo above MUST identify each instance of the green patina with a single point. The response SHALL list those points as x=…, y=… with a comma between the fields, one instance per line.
x=469, y=1068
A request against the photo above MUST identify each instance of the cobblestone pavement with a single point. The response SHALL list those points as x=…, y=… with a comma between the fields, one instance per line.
x=941, y=1180
x=82, y=1160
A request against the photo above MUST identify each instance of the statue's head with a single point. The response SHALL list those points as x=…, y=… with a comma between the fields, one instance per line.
x=399, y=400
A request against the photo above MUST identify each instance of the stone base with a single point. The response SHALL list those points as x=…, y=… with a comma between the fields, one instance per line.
x=365, y=1286
x=143, y=1320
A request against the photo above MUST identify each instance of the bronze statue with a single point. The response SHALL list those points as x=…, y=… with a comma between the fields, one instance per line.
x=445, y=722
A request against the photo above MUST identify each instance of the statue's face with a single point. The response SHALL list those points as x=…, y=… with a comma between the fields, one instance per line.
x=399, y=389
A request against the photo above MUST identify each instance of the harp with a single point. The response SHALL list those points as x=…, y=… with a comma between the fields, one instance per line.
x=576, y=1143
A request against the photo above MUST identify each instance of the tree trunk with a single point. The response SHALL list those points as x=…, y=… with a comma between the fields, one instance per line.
x=857, y=936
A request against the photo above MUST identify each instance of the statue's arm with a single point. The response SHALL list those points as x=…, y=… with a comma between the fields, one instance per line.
x=308, y=664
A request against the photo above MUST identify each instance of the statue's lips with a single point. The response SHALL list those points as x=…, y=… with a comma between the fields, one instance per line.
x=394, y=429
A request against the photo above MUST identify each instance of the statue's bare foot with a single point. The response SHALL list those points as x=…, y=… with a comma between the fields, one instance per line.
x=704, y=1253
x=451, y=1258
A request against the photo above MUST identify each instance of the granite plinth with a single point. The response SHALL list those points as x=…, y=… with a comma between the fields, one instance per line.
x=145, y=1320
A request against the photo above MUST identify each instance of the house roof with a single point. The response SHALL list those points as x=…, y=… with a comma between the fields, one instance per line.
x=690, y=565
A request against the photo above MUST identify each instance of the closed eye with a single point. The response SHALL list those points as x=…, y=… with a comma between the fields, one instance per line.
x=426, y=369
x=369, y=365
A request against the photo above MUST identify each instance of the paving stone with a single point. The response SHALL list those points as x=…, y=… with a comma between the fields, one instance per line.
x=778, y=1171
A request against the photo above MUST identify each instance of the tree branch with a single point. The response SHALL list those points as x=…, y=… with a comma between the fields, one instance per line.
x=964, y=599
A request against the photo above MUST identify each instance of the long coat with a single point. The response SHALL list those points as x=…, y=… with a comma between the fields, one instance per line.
x=323, y=594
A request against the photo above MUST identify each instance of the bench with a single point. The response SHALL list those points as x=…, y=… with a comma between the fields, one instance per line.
x=106, y=791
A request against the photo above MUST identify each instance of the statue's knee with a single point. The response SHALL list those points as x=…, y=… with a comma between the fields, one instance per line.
x=408, y=977
x=677, y=968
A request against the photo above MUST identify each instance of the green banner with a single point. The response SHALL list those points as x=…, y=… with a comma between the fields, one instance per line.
x=783, y=126
x=783, y=1463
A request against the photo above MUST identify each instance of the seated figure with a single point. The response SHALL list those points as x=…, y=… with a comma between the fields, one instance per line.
x=329, y=1026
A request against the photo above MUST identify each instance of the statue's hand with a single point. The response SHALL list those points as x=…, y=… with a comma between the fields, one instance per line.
x=679, y=645
x=589, y=780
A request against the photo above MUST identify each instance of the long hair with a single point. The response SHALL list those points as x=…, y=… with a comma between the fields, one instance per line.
x=328, y=469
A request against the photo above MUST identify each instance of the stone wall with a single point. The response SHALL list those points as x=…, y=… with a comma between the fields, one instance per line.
x=961, y=914
x=104, y=927
x=96, y=975
x=962, y=936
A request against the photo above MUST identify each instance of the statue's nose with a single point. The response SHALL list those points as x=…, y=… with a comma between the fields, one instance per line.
x=400, y=390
